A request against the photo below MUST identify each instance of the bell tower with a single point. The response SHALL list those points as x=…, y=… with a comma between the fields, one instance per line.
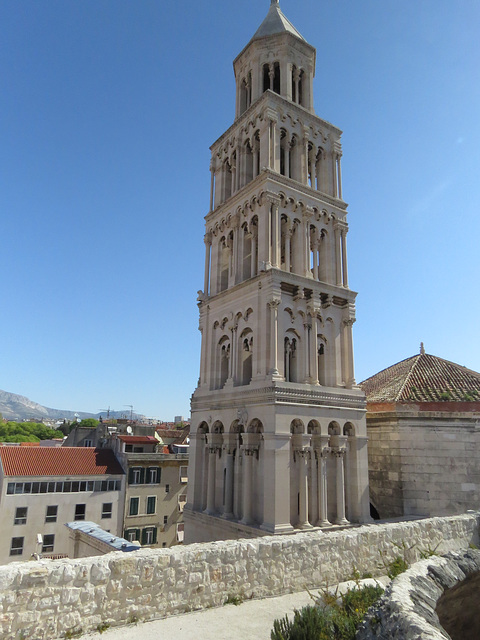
x=278, y=433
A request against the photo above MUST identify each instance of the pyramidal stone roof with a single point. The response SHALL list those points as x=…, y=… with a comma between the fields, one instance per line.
x=275, y=23
x=423, y=378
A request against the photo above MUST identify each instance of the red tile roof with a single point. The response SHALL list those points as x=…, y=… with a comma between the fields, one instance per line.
x=423, y=378
x=138, y=439
x=58, y=461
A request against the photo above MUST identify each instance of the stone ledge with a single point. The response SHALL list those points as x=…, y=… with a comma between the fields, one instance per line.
x=407, y=610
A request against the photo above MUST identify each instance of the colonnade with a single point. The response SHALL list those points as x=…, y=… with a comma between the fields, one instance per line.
x=231, y=486
x=274, y=240
x=271, y=146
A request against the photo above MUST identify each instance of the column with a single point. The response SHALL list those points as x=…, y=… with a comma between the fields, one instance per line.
x=288, y=240
x=339, y=450
x=322, y=452
x=212, y=184
x=313, y=510
x=276, y=252
x=208, y=244
x=334, y=171
x=287, y=157
x=301, y=456
x=338, y=263
x=253, y=259
x=339, y=166
x=273, y=304
x=250, y=452
x=229, y=448
x=212, y=468
x=348, y=374
x=344, y=257
x=308, y=365
x=314, y=351
x=315, y=257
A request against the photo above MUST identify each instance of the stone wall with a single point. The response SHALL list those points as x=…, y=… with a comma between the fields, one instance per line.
x=408, y=607
x=423, y=463
x=46, y=600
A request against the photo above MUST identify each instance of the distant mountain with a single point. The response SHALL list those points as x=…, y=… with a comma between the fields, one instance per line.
x=15, y=407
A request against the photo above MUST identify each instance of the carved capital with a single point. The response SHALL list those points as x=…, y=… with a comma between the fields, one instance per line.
x=273, y=304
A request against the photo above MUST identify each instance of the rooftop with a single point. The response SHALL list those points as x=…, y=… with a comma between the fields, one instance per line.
x=275, y=22
x=423, y=378
x=58, y=461
x=94, y=530
x=138, y=439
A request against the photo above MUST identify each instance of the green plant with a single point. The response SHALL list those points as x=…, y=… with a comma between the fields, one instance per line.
x=103, y=626
x=329, y=618
x=73, y=633
x=472, y=545
x=428, y=552
x=133, y=619
x=236, y=600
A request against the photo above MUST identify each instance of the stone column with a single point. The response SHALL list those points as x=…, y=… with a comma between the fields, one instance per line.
x=307, y=327
x=322, y=451
x=313, y=349
x=339, y=166
x=276, y=251
x=338, y=450
x=229, y=445
x=250, y=451
x=273, y=304
x=348, y=374
x=253, y=259
x=212, y=184
x=214, y=443
x=338, y=256
x=208, y=244
x=302, y=458
x=288, y=240
x=344, y=257
x=276, y=484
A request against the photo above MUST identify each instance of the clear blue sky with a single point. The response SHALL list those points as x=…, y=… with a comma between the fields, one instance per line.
x=107, y=112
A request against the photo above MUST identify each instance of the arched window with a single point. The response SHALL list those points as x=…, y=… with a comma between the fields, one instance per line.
x=321, y=362
x=271, y=76
x=290, y=360
x=246, y=356
x=223, y=361
x=224, y=264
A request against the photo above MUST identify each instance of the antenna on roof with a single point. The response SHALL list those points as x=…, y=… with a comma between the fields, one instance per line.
x=422, y=349
x=131, y=410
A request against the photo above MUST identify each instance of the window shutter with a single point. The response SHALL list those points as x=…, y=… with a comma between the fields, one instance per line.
x=155, y=535
x=137, y=535
x=159, y=474
x=142, y=475
x=144, y=536
x=130, y=475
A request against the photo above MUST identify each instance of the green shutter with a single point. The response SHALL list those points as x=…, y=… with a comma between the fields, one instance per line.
x=137, y=535
x=142, y=475
x=159, y=474
x=155, y=535
x=144, y=536
x=130, y=475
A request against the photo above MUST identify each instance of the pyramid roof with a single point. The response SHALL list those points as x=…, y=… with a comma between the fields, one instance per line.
x=423, y=378
x=275, y=22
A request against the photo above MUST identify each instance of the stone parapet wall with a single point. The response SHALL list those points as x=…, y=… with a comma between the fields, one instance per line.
x=46, y=600
x=408, y=607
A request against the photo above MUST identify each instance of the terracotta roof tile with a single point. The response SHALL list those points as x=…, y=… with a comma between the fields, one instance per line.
x=423, y=378
x=138, y=439
x=58, y=461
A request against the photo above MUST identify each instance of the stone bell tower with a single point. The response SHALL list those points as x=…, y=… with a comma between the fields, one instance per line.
x=278, y=434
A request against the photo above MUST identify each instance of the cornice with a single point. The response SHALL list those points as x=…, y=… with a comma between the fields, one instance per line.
x=277, y=394
x=270, y=98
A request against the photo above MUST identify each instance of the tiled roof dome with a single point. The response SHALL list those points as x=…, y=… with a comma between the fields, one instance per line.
x=423, y=378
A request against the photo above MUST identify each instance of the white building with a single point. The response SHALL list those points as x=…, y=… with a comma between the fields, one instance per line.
x=42, y=488
x=278, y=434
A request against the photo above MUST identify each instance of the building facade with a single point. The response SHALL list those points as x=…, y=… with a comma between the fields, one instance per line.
x=42, y=488
x=423, y=424
x=155, y=492
x=278, y=433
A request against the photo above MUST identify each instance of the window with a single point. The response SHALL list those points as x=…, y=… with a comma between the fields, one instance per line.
x=183, y=474
x=164, y=544
x=149, y=535
x=165, y=519
x=181, y=502
x=107, y=510
x=20, y=515
x=88, y=443
x=132, y=534
x=153, y=475
x=136, y=475
x=51, y=515
x=48, y=542
x=133, y=510
x=180, y=528
x=16, y=547
x=167, y=488
x=128, y=448
x=151, y=504
x=79, y=512
x=137, y=449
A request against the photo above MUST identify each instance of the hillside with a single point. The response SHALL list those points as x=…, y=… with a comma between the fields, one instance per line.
x=16, y=407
